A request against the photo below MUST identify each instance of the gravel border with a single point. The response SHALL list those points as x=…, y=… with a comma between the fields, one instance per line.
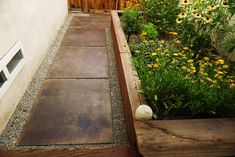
x=9, y=137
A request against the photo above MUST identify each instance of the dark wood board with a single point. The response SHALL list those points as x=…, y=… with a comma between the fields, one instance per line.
x=194, y=137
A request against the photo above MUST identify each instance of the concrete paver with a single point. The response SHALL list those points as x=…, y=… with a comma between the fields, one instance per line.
x=80, y=62
x=84, y=37
x=91, y=22
x=70, y=112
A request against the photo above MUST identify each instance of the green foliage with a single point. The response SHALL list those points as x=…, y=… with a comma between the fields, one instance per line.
x=199, y=21
x=224, y=40
x=231, y=3
x=161, y=13
x=151, y=31
x=181, y=73
x=131, y=22
x=185, y=84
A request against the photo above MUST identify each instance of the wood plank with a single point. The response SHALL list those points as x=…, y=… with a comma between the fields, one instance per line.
x=106, y=152
x=84, y=37
x=70, y=112
x=87, y=5
x=79, y=62
x=197, y=137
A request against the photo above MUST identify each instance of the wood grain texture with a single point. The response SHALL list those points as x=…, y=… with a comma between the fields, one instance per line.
x=107, y=152
x=197, y=137
x=126, y=78
x=88, y=5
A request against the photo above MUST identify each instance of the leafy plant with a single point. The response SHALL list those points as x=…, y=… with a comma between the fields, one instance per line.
x=131, y=22
x=180, y=83
x=198, y=21
x=150, y=32
x=161, y=13
x=224, y=40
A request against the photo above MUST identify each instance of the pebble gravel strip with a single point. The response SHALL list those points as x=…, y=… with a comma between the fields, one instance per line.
x=8, y=139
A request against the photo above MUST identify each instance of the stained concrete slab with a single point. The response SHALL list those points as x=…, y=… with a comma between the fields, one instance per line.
x=80, y=62
x=84, y=37
x=91, y=22
x=70, y=112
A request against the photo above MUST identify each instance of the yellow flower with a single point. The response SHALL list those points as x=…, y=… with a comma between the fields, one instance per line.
x=185, y=48
x=144, y=33
x=137, y=51
x=230, y=80
x=206, y=58
x=177, y=41
x=151, y=41
x=156, y=65
x=225, y=4
x=154, y=54
x=193, y=70
x=209, y=79
x=150, y=65
x=174, y=61
x=185, y=2
x=232, y=85
x=179, y=20
x=159, y=48
x=225, y=66
x=220, y=72
x=190, y=61
x=172, y=33
x=211, y=7
x=182, y=15
x=207, y=19
x=176, y=54
x=202, y=81
x=220, y=77
x=197, y=15
x=187, y=77
x=221, y=61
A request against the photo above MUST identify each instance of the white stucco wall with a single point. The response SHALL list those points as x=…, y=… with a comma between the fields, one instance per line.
x=35, y=23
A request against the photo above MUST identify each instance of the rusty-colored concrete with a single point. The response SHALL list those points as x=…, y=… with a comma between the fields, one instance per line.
x=80, y=62
x=85, y=37
x=91, y=22
x=70, y=112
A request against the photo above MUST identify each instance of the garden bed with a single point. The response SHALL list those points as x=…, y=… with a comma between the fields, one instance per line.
x=194, y=137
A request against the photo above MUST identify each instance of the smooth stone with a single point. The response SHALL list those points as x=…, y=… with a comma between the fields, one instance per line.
x=143, y=112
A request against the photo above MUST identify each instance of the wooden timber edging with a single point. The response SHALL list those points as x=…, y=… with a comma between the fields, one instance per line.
x=193, y=137
x=84, y=152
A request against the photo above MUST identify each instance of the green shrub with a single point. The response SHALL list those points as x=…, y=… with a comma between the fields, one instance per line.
x=178, y=83
x=199, y=21
x=131, y=22
x=162, y=13
x=150, y=32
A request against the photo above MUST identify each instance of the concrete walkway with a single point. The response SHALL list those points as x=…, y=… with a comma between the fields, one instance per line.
x=74, y=104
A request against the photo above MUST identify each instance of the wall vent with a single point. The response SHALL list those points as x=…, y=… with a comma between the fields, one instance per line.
x=10, y=65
